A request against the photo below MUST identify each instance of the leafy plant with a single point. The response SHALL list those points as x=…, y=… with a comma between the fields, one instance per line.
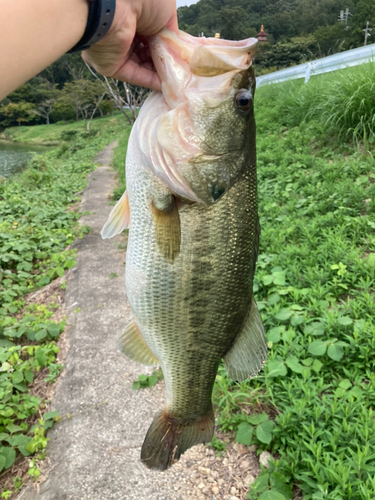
x=145, y=381
x=36, y=231
x=217, y=444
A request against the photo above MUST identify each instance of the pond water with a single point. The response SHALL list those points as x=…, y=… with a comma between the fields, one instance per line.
x=14, y=157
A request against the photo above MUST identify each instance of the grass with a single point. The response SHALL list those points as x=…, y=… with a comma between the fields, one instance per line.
x=315, y=289
x=47, y=134
x=37, y=227
x=343, y=102
x=119, y=162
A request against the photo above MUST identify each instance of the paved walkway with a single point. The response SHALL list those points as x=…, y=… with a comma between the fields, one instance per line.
x=95, y=449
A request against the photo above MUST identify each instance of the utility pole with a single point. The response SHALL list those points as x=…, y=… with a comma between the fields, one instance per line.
x=344, y=16
x=367, y=30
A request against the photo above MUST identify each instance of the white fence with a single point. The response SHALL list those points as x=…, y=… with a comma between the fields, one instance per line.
x=326, y=64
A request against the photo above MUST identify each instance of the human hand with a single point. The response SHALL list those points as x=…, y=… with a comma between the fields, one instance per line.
x=123, y=53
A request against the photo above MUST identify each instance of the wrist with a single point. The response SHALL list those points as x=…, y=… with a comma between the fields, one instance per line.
x=99, y=20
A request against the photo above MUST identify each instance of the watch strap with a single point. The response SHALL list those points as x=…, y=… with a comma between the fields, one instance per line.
x=100, y=18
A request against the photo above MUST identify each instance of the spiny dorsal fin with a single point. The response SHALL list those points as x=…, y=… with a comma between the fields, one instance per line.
x=131, y=343
x=249, y=352
x=118, y=219
x=167, y=228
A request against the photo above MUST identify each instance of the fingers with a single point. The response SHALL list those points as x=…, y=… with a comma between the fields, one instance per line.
x=172, y=24
x=125, y=55
x=136, y=74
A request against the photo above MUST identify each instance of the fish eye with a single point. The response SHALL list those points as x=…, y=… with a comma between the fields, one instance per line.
x=243, y=100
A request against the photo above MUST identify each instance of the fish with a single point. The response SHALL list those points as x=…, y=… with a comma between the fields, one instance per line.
x=191, y=209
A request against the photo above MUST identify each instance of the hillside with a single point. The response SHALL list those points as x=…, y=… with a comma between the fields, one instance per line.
x=305, y=29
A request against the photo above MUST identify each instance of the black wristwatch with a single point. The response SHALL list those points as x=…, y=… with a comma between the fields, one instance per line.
x=101, y=14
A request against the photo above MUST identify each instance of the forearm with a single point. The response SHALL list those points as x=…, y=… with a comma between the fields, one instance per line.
x=35, y=33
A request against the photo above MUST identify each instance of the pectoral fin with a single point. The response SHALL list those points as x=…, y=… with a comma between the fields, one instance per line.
x=118, y=219
x=249, y=352
x=131, y=343
x=167, y=227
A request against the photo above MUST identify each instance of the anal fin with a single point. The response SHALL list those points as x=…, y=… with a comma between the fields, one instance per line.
x=167, y=227
x=248, y=354
x=119, y=218
x=130, y=342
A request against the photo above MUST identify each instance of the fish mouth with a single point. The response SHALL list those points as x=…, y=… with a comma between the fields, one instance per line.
x=196, y=73
x=180, y=59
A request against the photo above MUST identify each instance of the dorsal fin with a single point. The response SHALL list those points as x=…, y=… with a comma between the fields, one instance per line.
x=118, y=219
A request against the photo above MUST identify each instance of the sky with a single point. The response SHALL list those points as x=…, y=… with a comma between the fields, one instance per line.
x=181, y=3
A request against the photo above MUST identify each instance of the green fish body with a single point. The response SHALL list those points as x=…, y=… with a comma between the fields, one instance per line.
x=194, y=232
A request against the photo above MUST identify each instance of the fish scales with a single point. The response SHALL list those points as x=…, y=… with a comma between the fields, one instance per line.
x=191, y=254
x=191, y=311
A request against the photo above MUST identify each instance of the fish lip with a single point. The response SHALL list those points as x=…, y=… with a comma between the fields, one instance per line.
x=178, y=57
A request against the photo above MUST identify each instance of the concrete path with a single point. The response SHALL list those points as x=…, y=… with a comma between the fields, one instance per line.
x=95, y=449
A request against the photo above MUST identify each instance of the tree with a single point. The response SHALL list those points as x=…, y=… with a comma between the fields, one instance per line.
x=106, y=107
x=84, y=96
x=68, y=68
x=232, y=23
x=283, y=55
x=364, y=11
x=15, y=113
x=27, y=92
x=331, y=39
x=125, y=97
x=62, y=111
x=49, y=93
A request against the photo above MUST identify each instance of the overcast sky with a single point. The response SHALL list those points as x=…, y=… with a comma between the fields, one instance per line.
x=180, y=3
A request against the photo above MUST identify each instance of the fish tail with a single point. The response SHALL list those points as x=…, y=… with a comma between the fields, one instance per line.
x=169, y=437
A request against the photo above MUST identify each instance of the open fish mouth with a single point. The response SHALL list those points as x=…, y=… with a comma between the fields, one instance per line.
x=200, y=77
x=179, y=60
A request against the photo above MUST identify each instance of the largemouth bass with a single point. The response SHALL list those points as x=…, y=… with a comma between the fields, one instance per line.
x=191, y=203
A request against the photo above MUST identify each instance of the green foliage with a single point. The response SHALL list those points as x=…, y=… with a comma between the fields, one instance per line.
x=331, y=39
x=54, y=371
x=62, y=111
x=119, y=163
x=145, y=381
x=284, y=22
x=15, y=113
x=271, y=485
x=217, y=444
x=83, y=96
x=342, y=102
x=44, y=134
x=283, y=55
x=36, y=230
x=314, y=287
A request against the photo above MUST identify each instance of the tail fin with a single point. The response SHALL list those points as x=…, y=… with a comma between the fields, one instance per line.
x=169, y=437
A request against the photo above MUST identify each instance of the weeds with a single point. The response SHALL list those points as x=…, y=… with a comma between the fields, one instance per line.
x=342, y=103
x=119, y=162
x=145, y=381
x=36, y=231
